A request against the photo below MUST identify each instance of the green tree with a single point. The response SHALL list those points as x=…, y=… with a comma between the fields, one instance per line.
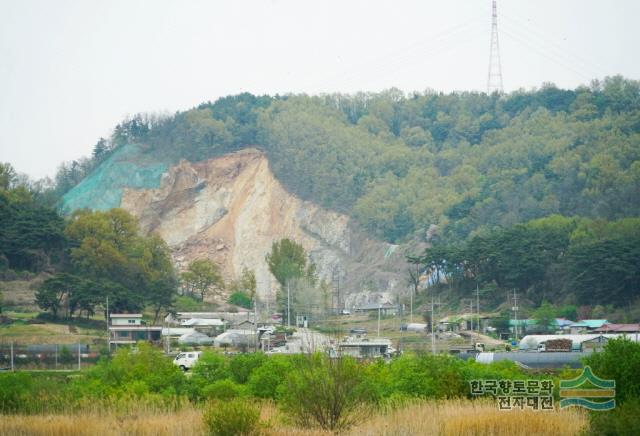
x=131, y=269
x=240, y=299
x=57, y=293
x=545, y=316
x=333, y=394
x=203, y=276
x=288, y=260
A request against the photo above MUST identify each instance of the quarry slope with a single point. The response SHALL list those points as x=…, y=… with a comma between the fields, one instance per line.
x=231, y=209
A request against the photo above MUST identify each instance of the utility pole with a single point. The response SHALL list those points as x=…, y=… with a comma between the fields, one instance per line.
x=108, y=333
x=79, y=355
x=515, y=314
x=379, y=308
x=288, y=305
x=494, y=81
x=411, y=305
x=433, y=316
x=255, y=319
x=478, y=305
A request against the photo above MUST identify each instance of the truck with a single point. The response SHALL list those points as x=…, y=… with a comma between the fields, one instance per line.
x=555, y=345
x=187, y=360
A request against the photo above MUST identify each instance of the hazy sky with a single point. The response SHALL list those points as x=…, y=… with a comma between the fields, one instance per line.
x=70, y=70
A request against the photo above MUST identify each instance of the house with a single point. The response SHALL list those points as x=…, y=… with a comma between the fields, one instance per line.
x=226, y=317
x=365, y=348
x=466, y=321
x=128, y=328
x=384, y=308
x=244, y=325
x=522, y=325
x=586, y=325
x=594, y=344
x=618, y=328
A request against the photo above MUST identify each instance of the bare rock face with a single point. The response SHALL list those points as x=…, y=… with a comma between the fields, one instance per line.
x=231, y=209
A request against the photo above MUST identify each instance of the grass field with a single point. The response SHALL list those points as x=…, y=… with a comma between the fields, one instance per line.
x=452, y=417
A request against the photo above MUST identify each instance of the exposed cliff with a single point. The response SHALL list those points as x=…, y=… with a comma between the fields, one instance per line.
x=231, y=209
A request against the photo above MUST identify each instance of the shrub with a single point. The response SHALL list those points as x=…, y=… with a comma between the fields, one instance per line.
x=222, y=390
x=333, y=394
x=428, y=376
x=241, y=299
x=232, y=418
x=243, y=365
x=266, y=379
x=14, y=391
x=619, y=361
x=211, y=367
x=624, y=420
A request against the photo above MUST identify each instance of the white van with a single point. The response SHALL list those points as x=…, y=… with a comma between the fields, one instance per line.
x=187, y=360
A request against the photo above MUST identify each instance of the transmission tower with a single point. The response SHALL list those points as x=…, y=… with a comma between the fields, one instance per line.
x=494, y=82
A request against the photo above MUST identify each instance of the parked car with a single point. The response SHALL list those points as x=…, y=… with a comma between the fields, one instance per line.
x=187, y=360
x=358, y=331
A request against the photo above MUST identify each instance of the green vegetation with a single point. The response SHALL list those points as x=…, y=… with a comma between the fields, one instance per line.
x=202, y=277
x=313, y=390
x=620, y=362
x=572, y=260
x=108, y=257
x=231, y=418
x=467, y=162
x=244, y=289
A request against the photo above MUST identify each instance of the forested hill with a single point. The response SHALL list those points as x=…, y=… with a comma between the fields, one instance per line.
x=468, y=162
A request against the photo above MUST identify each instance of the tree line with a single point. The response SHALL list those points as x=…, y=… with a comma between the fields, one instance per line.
x=558, y=259
x=397, y=162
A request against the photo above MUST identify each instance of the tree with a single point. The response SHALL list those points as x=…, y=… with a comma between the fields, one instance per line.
x=545, y=316
x=331, y=393
x=288, y=260
x=131, y=269
x=7, y=176
x=58, y=290
x=203, y=276
x=241, y=299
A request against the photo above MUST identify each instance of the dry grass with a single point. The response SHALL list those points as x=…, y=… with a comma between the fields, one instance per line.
x=449, y=418
x=182, y=423
x=464, y=417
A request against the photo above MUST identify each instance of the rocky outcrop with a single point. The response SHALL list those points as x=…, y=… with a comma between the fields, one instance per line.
x=231, y=209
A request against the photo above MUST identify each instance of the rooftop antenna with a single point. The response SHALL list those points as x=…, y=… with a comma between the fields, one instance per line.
x=494, y=82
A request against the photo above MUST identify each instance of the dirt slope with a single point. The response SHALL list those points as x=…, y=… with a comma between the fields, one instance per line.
x=231, y=209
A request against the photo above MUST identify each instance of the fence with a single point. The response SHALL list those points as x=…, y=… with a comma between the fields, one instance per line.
x=16, y=356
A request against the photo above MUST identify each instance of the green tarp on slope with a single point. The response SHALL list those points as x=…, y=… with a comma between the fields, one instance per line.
x=102, y=190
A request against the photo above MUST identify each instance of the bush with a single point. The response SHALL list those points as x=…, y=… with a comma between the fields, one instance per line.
x=14, y=391
x=211, y=367
x=243, y=365
x=619, y=361
x=265, y=380
x=624, y=420
x=232, y=418
x=333, y=394
x=222, y=390
x=428, y=376
x=240, y=299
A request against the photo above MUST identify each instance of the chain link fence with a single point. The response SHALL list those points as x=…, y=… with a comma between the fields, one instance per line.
x=17, y=356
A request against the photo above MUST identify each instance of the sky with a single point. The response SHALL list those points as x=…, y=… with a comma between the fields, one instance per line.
x=71, y=70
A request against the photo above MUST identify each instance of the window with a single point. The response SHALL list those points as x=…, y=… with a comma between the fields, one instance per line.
x=131, y=321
